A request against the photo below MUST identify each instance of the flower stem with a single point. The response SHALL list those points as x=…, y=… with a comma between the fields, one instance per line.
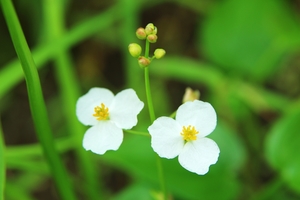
x=137, y=133
x=147, y=85
x=149, y=97
x=147, y=47
x=161, y=177
x=152, y=118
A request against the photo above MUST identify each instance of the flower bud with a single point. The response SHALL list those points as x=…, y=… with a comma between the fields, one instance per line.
x=143, y=62
x=135, y=49
x=150, y=29
x=141, y=33
x=152, y=38
x=190, y=95
x=159, y=53
x=154, y=30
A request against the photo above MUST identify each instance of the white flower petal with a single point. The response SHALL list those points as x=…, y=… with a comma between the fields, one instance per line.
x=199, y=114
x=125, y=108
x=166, y=140
x=86, y=104
x=198, y=155
x=102, y=137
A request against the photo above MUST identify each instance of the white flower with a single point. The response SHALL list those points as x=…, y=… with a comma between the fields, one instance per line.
x=108, y=115
x=185, y=136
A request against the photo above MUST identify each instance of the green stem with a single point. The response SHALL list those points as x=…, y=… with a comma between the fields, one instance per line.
x=2, y=164
x=69, y=91
x=28, y=151
x=147, y=48
x=161, y=176
x=147, y=85
x=37, y=104
x=137, y=133
x=149, y=97
x=152, y=118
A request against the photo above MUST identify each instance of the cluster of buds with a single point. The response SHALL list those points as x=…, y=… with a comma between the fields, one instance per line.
x=149, y=33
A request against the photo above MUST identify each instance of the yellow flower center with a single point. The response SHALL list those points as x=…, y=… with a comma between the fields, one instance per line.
x=189, y=133
x=101, y=113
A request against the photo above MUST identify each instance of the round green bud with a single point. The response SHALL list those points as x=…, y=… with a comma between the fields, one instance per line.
x=152, y=38
x=154, y=30
x=143, y=61
x=141, y=33
x=135, y=49
x=159, y=53
x=150, y=29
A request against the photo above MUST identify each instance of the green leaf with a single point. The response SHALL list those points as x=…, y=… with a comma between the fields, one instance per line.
x=136, y=157
x=282, y=148
x=135, y=191
x=12, y=73
x=249, y=37
x=233, y=153
x=2, y=164
x=37, y=103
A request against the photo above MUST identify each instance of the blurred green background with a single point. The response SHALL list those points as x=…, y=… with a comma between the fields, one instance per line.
x=243, y=56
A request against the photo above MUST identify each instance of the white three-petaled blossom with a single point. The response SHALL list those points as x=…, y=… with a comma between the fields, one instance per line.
x=108, y=115
x=185, y=136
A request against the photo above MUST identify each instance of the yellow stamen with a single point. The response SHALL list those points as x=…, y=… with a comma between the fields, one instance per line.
x=189, y=133
x=101, y=113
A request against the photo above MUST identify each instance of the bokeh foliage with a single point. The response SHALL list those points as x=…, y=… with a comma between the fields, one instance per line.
x=243, y=56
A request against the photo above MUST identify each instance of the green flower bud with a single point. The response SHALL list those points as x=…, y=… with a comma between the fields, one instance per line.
x=141, y=33
x=154, y=30
x=159, y=53
x=143, y=62
x=150, y=29
x=135, y=49
x=152, y=38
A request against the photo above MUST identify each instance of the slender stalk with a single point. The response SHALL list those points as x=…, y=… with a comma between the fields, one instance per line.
x=147, y=48
x=137, y=133
x=2, y=164
x=147, y=85
x=70, y=92
x=37, y=104
x=149, y=96
x=152, y=118
x=161, y=177
x=16, y=152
